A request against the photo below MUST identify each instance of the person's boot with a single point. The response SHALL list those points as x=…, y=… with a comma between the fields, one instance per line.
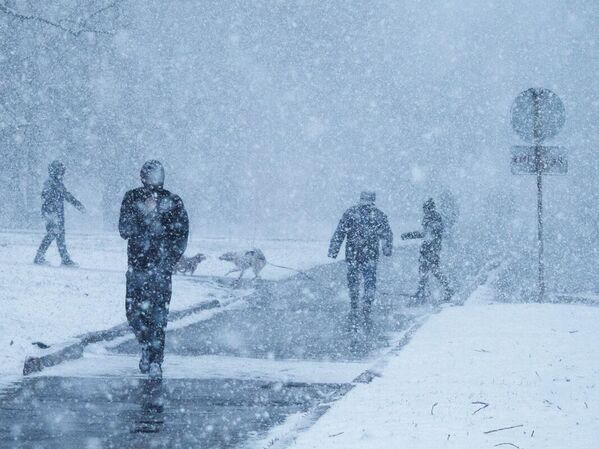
x=449, y=292
x=155, y=371
x=40, y=260
x=144, y=362
x=69, y=263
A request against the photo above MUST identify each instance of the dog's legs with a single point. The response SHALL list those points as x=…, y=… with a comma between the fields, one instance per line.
x=238, y=281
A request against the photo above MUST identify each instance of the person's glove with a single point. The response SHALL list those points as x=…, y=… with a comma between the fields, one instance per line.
x=387, y=251
x=81, y=208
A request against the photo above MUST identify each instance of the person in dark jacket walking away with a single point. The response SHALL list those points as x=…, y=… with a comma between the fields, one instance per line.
x=364, y=226
x=430, y=250
x=54, y=194
x=155, y=224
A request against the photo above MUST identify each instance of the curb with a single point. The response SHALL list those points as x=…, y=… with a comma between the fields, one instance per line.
x=375, y=371
x=310, y=417
x=75, y=351
x=576, y=299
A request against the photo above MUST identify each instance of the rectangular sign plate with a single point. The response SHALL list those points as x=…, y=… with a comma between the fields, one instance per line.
x=552, y=160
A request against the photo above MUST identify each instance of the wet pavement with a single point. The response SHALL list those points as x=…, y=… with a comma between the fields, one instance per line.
x=305, y=317
x=81, y=413
x=301, y=318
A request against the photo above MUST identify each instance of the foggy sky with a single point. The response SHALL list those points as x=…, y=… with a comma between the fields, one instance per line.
x=284, y=111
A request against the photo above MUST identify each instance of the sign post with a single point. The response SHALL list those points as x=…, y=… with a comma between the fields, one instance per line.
x=537, y=115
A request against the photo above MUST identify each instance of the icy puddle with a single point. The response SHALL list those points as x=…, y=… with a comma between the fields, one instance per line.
x=71, y=412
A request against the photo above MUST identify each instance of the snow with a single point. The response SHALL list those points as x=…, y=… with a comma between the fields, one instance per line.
x=536, y=365
x=214, y=367
x=54, y=305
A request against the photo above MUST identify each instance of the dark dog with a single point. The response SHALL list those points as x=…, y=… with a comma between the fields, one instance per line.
x=189, y=264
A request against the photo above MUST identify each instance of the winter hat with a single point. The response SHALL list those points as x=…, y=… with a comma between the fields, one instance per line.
x=152, y=174
x=367, y=197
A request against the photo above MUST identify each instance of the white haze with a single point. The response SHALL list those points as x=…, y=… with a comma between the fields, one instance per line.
x=271, y=116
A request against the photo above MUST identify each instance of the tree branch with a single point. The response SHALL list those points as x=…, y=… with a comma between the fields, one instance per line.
x=83, y=28
x=483, y=405
x=503, y=428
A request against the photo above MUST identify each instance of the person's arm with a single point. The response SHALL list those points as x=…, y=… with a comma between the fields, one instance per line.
x=46, y=199
x=128, y=220
x=69, y=197
x=177, y=233
x=387, y=237
x=338, y=236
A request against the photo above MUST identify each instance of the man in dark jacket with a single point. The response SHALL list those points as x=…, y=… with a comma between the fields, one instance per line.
x=430, y=250
x=363, y=226
x=54, y=194
x=155, y=223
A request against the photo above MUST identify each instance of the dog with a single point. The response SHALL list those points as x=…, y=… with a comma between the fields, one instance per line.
x=189, y=264
x=244, y=260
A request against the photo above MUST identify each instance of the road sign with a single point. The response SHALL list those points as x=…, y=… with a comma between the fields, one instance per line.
x=551, y=160
x=537, y=115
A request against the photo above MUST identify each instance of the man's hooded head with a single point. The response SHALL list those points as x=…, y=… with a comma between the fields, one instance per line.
x=152, y=174
x=367, y=198
x=56, y=170
x=429, y=206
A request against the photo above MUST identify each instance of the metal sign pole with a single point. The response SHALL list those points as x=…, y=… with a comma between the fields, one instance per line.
x=537, y=115
x=540, y=235
x=539, y=169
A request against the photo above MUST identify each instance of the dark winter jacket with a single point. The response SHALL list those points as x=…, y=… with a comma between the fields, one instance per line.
x=363, y=226
x=432, y=234
x=54, y=194
x=157, y=237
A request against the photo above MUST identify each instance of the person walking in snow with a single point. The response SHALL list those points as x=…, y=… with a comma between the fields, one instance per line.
x=54, y=194
x=430, y=250
x=155, y=224
x=363, y=227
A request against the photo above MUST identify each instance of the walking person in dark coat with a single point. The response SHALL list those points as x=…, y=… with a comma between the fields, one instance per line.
x=54, y=194
x=430, y=250
x=155, y=223
x=364, y=226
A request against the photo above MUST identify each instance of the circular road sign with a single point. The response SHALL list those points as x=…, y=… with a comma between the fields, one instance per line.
x=537, y=115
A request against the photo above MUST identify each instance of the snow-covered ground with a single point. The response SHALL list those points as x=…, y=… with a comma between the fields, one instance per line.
x=482, y=375
x=53, y=305
x=529, y=369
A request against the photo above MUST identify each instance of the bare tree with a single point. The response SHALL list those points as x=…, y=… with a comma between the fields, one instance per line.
x=83, y=23
x=45, y=95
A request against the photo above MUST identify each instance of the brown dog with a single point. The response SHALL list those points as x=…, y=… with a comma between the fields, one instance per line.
x=189, y=264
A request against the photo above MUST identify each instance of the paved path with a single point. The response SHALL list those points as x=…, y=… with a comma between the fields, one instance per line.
x=299, y=322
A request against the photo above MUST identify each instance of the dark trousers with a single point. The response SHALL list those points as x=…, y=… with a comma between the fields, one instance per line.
x=54, y=231
x=147, y=303
x=430, y=263
x=357, y=271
